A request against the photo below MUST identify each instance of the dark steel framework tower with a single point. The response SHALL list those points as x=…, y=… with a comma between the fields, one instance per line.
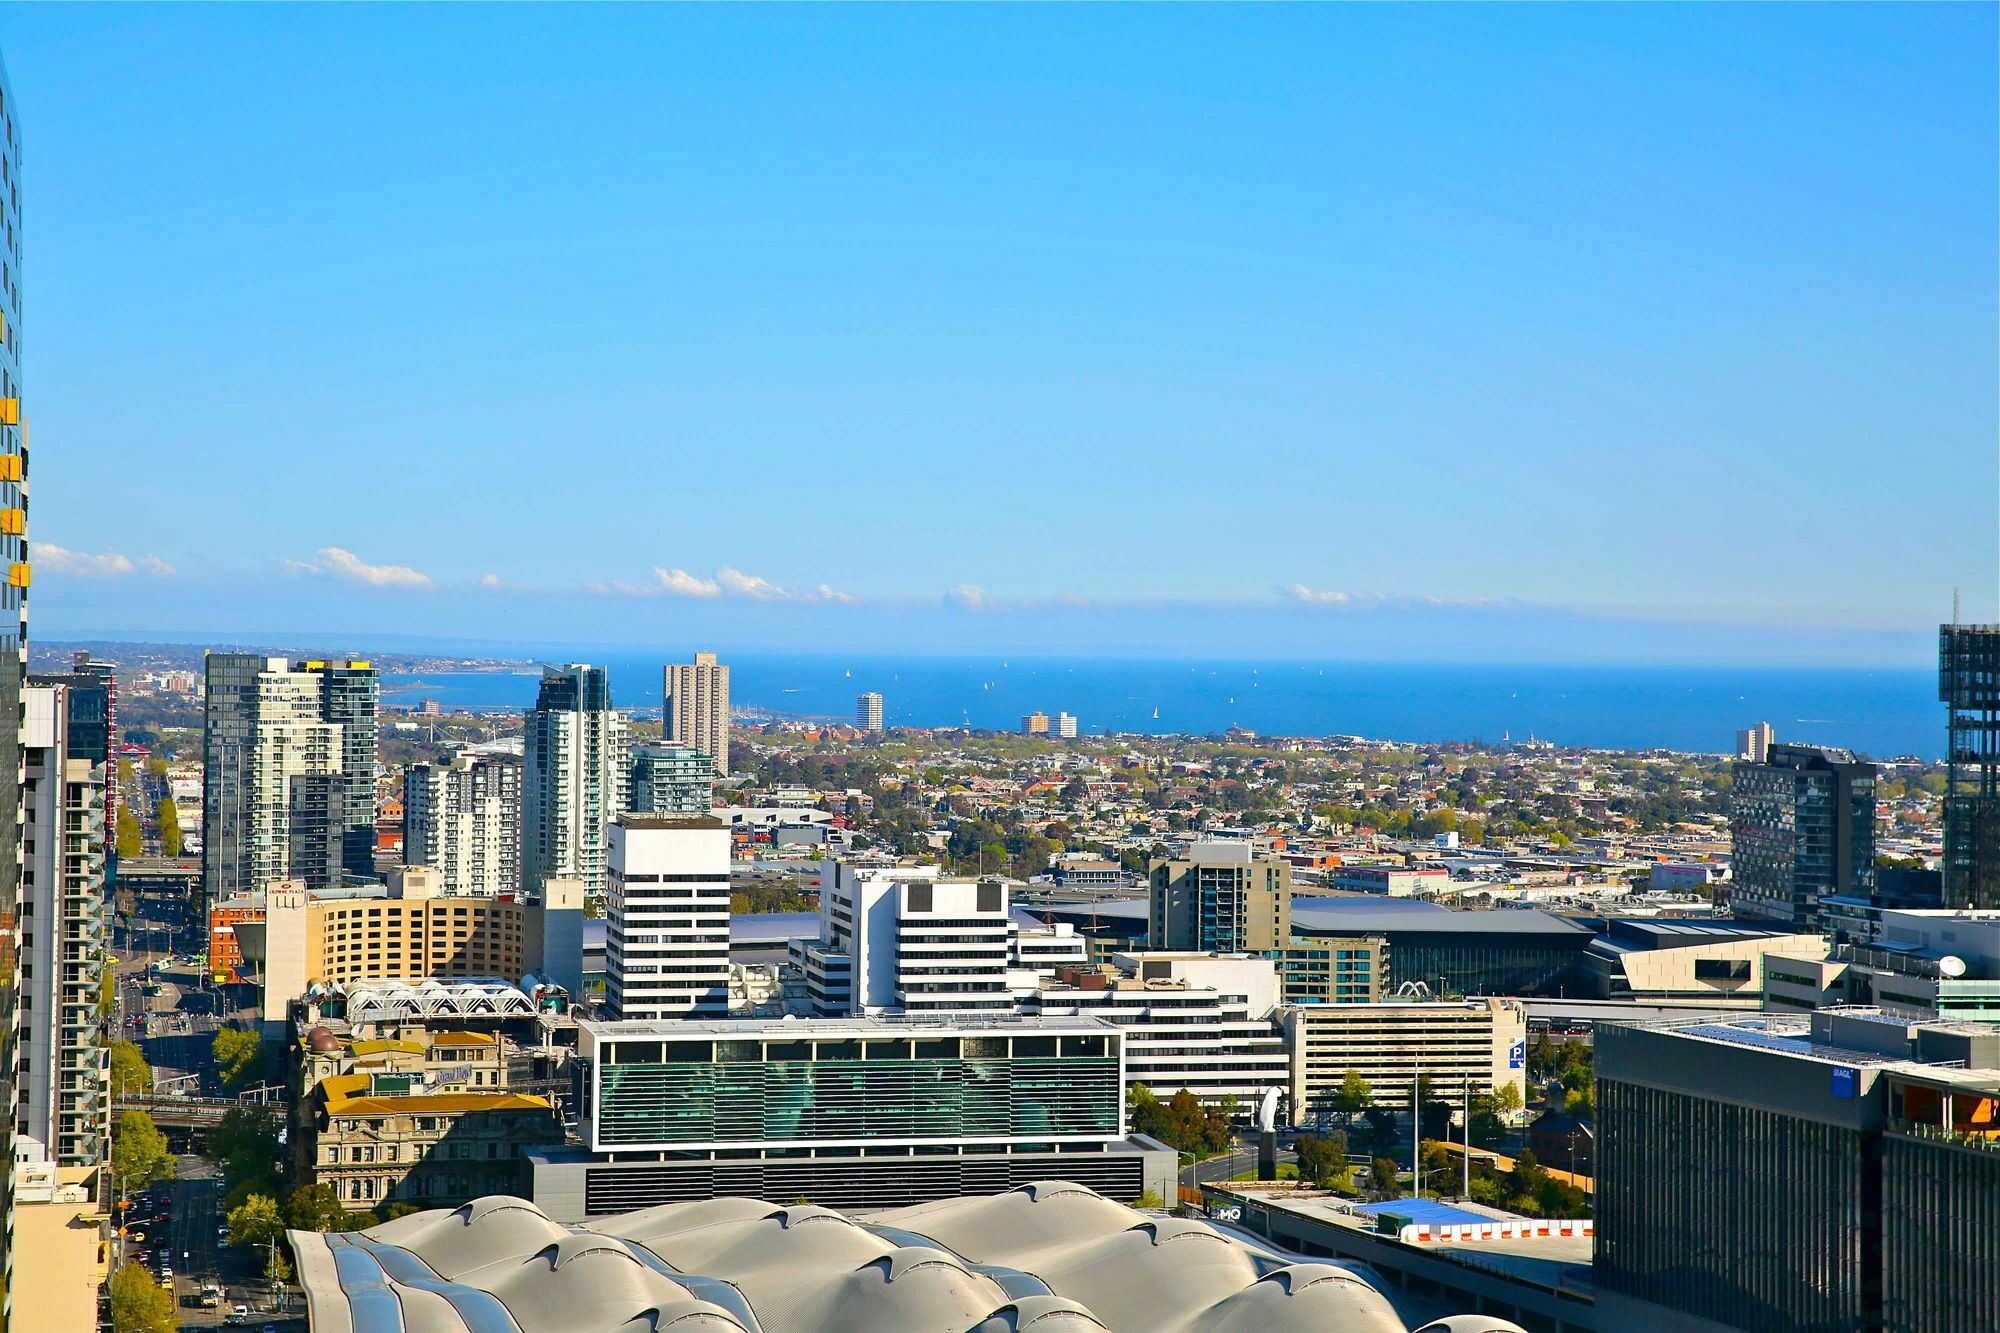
x=1969, y=686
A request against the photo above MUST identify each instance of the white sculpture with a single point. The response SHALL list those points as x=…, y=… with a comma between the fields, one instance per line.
x=1267, y=1112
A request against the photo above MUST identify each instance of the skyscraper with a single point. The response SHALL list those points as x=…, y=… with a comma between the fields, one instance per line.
x=268, y=723
x=64, y=1062
x=697, y=707
x=868, y=711
x=347, y=699
x=1802, y=828
x=1221, y=899
x=666, y=944
x=576, y=767
x=13, y=644
x=1969, y=685
x=464, y=818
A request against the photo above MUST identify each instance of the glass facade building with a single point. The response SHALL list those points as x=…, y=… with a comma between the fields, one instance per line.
x=1802, y=828
x=667, y=1087
x=1969, y=686
x=1790, y=1175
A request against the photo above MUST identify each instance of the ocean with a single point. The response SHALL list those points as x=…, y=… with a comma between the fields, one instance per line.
x=1882, y=713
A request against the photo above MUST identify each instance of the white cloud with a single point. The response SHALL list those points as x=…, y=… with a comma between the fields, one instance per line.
x=680, y=583
x=1299, y=592
x=969, y=597
x=53, y=559
x=351, y=568
x=729, y=582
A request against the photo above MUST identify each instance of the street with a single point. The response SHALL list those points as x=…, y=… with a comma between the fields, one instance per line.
x=1233, y=1163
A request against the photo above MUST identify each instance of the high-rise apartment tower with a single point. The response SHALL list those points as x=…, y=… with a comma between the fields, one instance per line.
x=1221, y=899
x=697, y=707
x=577, y=759
x=64, y=1057
x=868, y=711
x=464, y=818
x=288, y=757
x=13, y=642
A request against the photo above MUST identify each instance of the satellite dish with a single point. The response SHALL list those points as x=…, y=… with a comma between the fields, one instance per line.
x=1951, y=965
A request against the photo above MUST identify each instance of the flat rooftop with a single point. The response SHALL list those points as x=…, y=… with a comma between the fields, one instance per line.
x=677, y=1029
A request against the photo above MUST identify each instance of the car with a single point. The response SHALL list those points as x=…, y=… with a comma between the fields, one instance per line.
x=239, y=1315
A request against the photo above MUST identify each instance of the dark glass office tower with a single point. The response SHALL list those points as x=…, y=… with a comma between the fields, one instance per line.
x=348, y=701
x=1969, y=686
x=1802, y=828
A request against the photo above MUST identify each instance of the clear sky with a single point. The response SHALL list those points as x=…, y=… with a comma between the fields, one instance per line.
x=1625, y=333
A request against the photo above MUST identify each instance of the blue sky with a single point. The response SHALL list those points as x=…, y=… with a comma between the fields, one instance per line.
x=1629, y=333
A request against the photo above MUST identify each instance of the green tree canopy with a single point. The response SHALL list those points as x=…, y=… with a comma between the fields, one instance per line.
x=168, y=816
x=139, y=1304
x=139, y=1153
x=131, y=1075
x=128, y=841
x=255, y=1220
x=236, y=1054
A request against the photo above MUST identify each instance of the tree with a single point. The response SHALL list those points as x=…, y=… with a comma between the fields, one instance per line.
x=139, y=1153
x=1323, y=1158
x=318, y=1208
x=107, y=990
x=245, y=1145
x=255, y=1220
x=1382, y=1177
x=168, y=816
x=236, y=1052
x=129, y=842
x=131, y=1075
x=139, y=1304
x=1353, y=1096
x=276, y=1270
x=1148, y=1200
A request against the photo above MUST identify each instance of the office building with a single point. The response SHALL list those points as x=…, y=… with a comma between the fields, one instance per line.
x=1969, y=687
x=903, y=939
x=1753, y=744
x=1483, y=1042
x=1915, y=962
x=290, y=939
x=63, y=1063
x=288, y=770
x=697, y=707
x=576, y=767
x=1063, y=727
x=1802, y=828
x=1035, y=723
x=671, y=780
x=667, y=940
x=1198, y=1022
x=464, y=820
x=1220, y=899
x=1765, y=1173
x=868, y=711
x=850, y=1112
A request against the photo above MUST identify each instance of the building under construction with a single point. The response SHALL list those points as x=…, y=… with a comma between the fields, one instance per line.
x=1969, y=685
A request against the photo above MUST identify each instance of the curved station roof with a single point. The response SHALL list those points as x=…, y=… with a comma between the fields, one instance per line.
x=1053, y=1257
